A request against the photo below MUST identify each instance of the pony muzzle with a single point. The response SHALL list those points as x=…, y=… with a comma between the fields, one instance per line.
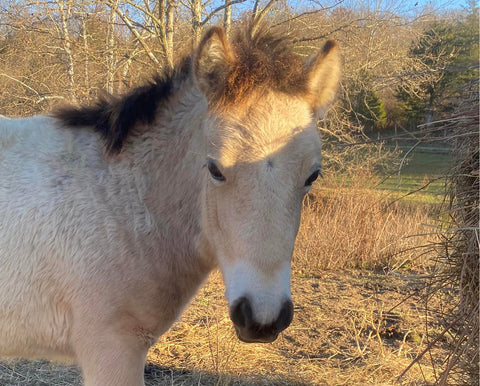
x=250, y=331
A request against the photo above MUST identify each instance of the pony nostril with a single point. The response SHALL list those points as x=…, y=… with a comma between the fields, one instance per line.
x=285, y=317
x=241, y=312
x=250, y=331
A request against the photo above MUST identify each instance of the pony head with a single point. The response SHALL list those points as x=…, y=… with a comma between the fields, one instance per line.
x=262, y=154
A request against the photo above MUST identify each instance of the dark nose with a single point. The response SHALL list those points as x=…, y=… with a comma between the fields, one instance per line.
x=249, y=331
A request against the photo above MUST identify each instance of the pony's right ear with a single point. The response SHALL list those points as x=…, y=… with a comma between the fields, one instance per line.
x=212, y=62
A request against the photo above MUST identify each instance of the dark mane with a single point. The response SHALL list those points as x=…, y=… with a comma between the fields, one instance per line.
x=114, y=118
x=263, y=60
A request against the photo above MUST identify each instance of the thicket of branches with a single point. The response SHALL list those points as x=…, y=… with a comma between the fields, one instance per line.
x=460, y=242
x=399, y=65
x=455, y=277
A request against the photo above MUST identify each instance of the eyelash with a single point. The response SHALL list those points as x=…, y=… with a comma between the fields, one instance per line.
x=215, y=171
x=311, y=179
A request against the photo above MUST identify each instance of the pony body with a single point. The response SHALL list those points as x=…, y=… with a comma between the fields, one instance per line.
x=113, y=215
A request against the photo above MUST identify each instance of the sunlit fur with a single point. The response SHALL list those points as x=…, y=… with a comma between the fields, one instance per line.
x=100, y=251
x=266, y=150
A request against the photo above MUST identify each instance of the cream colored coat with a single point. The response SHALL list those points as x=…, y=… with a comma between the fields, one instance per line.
x=99, y=254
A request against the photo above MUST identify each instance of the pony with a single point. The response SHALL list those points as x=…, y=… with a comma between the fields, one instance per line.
x=112, y=215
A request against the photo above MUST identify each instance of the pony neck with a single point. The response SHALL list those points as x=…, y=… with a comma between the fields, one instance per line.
x=175, y=165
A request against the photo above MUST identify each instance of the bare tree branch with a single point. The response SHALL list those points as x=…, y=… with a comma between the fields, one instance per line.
x=40, y=97
x=220, y=8
x=323, y=36
x=134, y=31
x=307, y=13
x=258, y=16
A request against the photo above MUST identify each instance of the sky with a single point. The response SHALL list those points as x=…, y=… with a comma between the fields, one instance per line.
x=399, y=7
x=441, y=4
x=404, y=6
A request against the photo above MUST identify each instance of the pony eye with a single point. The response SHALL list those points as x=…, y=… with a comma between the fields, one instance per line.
x=312, y=178
x=215, y=172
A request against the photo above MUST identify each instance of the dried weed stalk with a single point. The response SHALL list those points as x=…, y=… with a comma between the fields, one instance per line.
x=358, y=227
x=456, y=277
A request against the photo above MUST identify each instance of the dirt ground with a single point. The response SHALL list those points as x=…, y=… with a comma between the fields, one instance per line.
x=350, y=328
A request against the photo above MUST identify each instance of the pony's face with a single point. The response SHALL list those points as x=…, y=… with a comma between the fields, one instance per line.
x=260, y=162
x=262, y=154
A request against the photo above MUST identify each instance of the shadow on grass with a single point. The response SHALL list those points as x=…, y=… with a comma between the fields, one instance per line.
x=38, y=373
x=44, y=373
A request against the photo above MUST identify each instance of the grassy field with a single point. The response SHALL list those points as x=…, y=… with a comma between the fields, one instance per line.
x=351, y=327
x=357, y=285
x=422, y=174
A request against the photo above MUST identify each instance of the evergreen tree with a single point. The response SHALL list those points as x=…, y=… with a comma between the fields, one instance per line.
x=447, y=56
x=367, y=106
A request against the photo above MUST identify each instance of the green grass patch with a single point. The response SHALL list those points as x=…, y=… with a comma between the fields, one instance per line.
x=427, y=163
x=421, y=177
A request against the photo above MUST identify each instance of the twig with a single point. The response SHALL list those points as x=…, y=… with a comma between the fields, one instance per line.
x=430, y=345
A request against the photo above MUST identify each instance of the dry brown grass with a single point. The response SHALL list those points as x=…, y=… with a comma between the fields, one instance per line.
x=359, y=227
x=348, y=329
x=351, y=327
x=344, y=333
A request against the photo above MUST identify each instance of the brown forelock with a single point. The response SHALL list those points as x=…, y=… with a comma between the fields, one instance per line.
x=264, y=61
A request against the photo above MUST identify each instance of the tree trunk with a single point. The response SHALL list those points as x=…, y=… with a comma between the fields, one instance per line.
x=110, y=47
x=227, y=19
x=169, y=32
x=429, y=112
x=86, y=53
x=258, y=15
x=196, y=21
x=64, y=16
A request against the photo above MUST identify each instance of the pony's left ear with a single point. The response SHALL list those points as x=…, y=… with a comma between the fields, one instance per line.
x=323, y=74
x=212, y=62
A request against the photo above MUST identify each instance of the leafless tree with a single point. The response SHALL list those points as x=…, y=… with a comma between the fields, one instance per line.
x=65, y=10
